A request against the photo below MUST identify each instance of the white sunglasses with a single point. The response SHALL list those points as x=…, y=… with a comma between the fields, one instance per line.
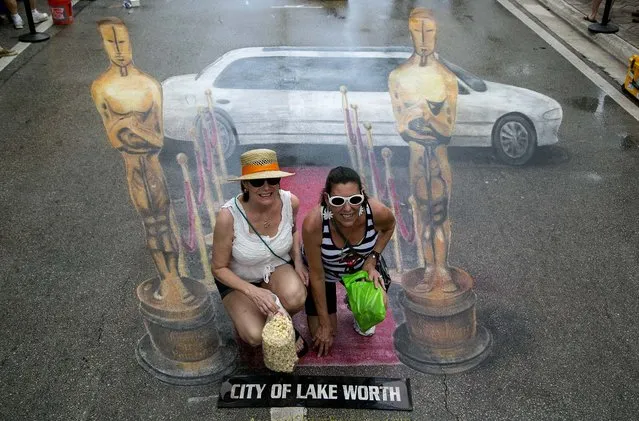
x=338, y=201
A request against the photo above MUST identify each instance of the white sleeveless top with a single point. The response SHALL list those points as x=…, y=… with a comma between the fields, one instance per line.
x=250, y=259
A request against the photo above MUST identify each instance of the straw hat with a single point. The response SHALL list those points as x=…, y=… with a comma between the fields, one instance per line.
x=260, y=163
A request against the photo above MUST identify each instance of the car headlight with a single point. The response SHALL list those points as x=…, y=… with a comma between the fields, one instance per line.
x=554, y=114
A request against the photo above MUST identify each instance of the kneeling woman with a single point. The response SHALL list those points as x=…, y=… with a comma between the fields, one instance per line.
x=345, y=233
x=256, y=250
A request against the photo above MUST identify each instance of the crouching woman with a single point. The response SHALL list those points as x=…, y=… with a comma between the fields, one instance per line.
x=256, y=249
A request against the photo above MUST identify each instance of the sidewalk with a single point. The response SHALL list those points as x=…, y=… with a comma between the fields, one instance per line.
x=621, y=45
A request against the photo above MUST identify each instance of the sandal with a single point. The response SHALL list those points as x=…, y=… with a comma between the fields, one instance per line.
x=589, y=19
x=304, y=349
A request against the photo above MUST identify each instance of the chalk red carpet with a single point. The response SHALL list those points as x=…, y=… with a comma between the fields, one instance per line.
x=349, y=348
x=307, y=184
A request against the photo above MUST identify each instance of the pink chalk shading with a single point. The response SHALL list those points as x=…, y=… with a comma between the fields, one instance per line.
x=350, y=348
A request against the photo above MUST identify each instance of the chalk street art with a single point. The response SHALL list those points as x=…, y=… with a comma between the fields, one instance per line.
x=440, y=332
x=289, y=95
x=424, y=97
x=377, y=103
x=182, y=344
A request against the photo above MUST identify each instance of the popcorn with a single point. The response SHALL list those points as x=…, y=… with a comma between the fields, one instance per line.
x=278, y=343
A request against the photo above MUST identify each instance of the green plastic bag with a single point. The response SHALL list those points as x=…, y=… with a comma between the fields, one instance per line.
x=366, y=301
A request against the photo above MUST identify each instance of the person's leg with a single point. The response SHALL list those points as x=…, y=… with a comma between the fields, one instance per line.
x=12, y=6
x=246, y=317
x=37, y=15
x=593, y=12
x=331, y=304
x=13, y=10
x=289, y=288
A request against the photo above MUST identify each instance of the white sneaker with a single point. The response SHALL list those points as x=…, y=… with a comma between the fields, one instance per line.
x=17, y=21
x=369, y=332
x=39, y=16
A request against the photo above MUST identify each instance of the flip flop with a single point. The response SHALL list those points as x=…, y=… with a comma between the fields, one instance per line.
x=589, y=19
x=304, y=349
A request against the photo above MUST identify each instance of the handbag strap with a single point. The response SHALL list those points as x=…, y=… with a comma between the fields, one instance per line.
x=257, y=233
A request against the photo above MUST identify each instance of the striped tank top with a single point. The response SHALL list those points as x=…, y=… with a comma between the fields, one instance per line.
x=350, y=259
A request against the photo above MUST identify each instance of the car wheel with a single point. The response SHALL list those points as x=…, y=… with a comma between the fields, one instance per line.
x=227, y=134
x=514, y=139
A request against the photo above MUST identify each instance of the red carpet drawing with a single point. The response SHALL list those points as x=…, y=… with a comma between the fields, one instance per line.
x=349, y=348
x=307, y=184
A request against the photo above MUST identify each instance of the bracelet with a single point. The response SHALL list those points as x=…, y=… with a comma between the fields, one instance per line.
x=375, y=255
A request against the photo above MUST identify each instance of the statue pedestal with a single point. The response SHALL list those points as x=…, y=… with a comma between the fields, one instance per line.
x=440, y=335
x=182, y=345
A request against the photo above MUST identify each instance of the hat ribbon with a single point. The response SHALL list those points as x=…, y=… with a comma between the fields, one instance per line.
x=252, y=169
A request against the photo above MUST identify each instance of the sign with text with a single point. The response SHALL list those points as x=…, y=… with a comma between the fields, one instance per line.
x=316, y=391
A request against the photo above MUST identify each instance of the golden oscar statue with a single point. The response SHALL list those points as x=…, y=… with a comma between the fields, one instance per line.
x=438, y=299
x=182, y=345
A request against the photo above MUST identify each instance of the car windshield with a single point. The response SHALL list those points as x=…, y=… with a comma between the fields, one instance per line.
x=474, y=82
x=359, y=74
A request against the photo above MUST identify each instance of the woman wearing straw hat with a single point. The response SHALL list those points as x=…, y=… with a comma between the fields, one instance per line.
x=256, y=250
x=345, y=233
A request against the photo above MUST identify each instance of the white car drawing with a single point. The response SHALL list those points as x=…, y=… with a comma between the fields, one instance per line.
x=275, y=95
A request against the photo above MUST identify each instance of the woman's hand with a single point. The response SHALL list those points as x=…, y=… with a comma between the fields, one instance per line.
x=376, y=277
x=323, y=339
x=263, y=299
x=302, y=272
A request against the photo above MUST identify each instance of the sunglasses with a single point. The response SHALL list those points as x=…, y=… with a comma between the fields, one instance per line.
x=260, y=182
x=354, y=200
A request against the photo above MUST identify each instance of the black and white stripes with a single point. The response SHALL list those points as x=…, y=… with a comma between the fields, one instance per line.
x=351, y=258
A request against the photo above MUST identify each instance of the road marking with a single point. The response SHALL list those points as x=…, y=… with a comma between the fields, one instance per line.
x=21, y=46
x=578, y=41
x=198, y=399
x=288, y=414
x=597, y=79
x=297, y=6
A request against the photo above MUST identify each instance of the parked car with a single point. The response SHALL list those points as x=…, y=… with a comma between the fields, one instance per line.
x=291, y=95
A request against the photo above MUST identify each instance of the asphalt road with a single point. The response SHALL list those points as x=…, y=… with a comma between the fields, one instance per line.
x=552, y=245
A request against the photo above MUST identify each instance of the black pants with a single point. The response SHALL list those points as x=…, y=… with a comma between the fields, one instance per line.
x=331, y=299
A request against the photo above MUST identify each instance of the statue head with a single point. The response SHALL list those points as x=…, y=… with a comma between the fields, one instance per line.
x=423, y=30
x=115, y=37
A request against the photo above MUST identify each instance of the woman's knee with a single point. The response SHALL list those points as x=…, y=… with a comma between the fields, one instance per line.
x=253, y=337
x=293, y=297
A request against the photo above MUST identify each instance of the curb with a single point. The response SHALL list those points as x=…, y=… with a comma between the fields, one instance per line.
x=615, y=45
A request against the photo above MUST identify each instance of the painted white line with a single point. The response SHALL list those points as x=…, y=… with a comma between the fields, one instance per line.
x=300, y=6
x=577, y=41
x=612, y=91
x=198, y=399
x=21, y=46
x=288, y=414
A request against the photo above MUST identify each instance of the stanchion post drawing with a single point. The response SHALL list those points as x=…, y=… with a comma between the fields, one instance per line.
x=387, y=155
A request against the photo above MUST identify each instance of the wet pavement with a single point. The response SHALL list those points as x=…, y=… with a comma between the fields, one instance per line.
x=552, y=245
